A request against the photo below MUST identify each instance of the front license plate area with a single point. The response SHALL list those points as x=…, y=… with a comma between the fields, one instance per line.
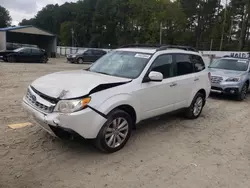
x=44, y=125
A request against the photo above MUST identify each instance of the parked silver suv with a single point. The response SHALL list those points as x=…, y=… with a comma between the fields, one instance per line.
x=230, y=76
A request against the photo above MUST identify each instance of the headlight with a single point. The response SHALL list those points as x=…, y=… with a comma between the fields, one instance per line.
x=236, y=79
x=70, y=106
x=73, y=56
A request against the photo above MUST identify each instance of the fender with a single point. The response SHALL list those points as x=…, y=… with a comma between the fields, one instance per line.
x=117, y=100
x=191, y=98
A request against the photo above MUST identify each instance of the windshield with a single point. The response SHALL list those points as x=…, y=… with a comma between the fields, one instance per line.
x=121, y=63
x=19, y=49
x=231, y=64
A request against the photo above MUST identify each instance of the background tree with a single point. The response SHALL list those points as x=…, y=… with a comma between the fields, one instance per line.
x=5, y=19
x=205, y=24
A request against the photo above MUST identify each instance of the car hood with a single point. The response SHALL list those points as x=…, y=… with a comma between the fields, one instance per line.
x=74, y=84
x=225, y=73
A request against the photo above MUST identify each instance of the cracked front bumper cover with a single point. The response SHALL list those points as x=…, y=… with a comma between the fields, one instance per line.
x=86, y=123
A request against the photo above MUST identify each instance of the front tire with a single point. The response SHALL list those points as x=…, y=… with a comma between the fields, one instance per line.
x=243, y=93
x=115, y=132
x=11, y=59
x=44, y=59
x=196, y=107
x=80, y=60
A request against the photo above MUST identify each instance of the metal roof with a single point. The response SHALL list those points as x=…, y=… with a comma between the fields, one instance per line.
x=24, y=29
x=14, y=28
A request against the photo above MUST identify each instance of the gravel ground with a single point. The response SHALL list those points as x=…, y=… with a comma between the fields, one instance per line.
x=212, y=151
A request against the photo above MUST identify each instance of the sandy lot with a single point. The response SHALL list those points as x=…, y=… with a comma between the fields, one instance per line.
x=169, y=152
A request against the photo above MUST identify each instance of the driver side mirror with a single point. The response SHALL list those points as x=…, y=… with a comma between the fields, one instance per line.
x=155, y=76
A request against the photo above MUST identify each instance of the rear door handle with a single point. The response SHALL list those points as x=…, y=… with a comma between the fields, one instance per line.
x=173, y=85
x=196, y=79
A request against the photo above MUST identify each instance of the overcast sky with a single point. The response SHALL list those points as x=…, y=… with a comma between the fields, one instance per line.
x=26, y=9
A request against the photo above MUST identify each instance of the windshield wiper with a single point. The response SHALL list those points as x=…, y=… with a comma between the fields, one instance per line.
x=103, y=73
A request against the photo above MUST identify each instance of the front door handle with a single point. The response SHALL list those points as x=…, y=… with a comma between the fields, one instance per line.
x=196, y=79
x=173, y=85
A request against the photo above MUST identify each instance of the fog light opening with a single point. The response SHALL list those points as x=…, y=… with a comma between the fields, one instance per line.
x=232, y=91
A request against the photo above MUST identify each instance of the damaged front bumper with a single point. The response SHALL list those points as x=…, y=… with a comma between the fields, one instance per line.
x=86, y=123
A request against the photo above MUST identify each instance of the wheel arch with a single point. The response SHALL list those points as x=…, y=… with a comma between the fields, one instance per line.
x=128, y=109
x=202, y=91
x=80, y=57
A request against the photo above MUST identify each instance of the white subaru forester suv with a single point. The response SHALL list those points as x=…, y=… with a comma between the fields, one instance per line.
x=105, y=102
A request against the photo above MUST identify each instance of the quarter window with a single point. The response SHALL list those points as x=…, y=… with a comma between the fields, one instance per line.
x=163, y=64
x=198, y=63
x=184, y=64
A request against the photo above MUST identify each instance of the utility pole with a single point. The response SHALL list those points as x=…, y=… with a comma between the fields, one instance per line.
x=223, y=27
x=72, y=36
x=160, y=33
x=211, y=44
x=230, y=31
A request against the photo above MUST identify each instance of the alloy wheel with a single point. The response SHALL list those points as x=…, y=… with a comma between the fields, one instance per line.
x=117, y=132
x=198, y=106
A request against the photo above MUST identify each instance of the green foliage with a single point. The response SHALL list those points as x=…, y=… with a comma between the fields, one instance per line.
x=5, y=19
x=100, y=23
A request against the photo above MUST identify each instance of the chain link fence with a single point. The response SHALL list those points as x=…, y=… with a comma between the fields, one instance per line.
x=66, y=50
x=208, y=56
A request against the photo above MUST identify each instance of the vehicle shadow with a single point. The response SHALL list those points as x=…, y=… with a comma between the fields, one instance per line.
x=158, y=125
x=224, y=97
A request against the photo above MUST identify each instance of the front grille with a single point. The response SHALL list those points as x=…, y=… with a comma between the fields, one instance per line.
x=216, y=79
x=33, y=101
x=47, y=98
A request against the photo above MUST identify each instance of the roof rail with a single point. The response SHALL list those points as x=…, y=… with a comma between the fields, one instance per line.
x=187, y=48
x=160, y=47
x=141, y=46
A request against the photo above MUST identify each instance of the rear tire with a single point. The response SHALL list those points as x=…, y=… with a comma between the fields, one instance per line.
x=243, y=93
x=115, y=132
x=196, y=107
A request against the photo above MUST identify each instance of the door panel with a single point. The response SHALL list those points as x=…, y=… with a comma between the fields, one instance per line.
x=88, y=56
x=35, y=55
x=183, y=90
x=157, y=98
x=201, y=79
x=25, y=55
x=184, y=72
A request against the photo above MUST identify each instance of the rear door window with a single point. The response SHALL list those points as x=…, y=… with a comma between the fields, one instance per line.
x=183, y=64
x=26, y=50
x=89, y=52
x=35, y=51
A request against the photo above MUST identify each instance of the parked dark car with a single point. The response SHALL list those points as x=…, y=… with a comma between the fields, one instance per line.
x=25, y=54
x=90, y=55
